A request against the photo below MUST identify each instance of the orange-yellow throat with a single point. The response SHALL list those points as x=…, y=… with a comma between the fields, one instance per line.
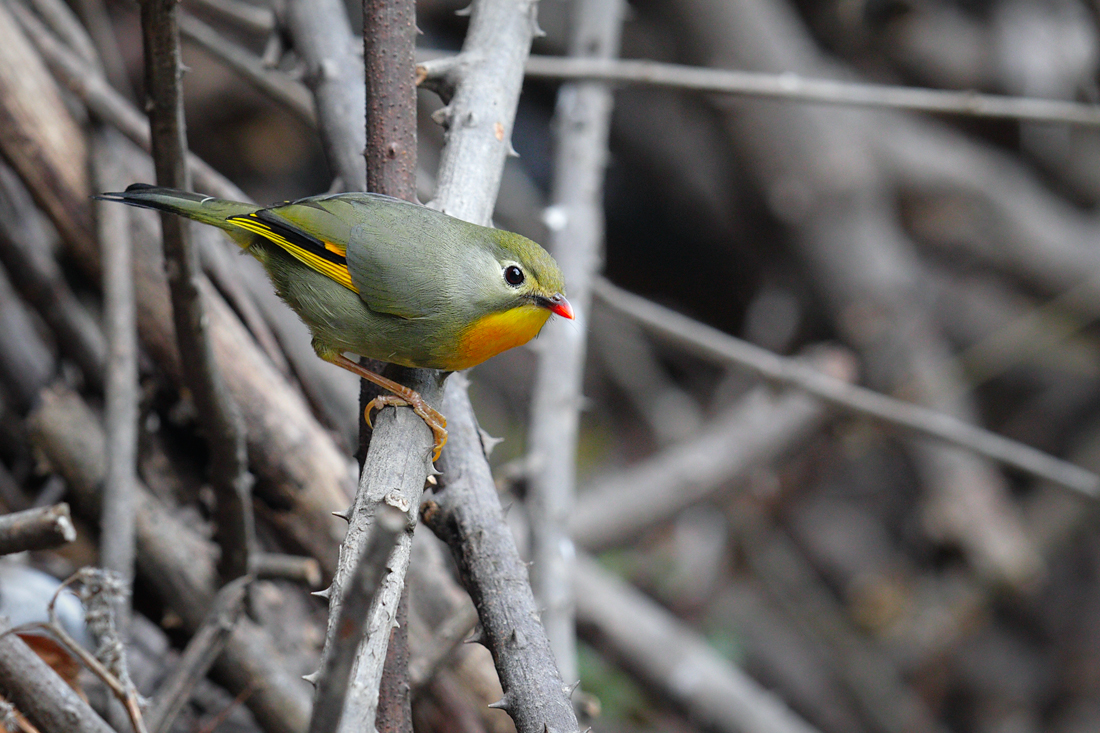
x=489, y=335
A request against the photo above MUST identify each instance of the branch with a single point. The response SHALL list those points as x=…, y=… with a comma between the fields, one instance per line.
x=667, y=655
x=121, y=390
x=389, y=42
x=466, y=513
x=204, y=648
x=218, y=414
x=38, y=693
x=36, y=529
x=322, y=36
x=793, y=87
x=582, y=119
x=351, y=624
x=172, y=560
x=753, y=431
x=713, y=344
x=481, y=94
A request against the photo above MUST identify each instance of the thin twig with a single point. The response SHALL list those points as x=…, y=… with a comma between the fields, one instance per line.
x=197, y=658
x=582, y=120
x=36, y=529
x=304, y=570
x=351, y=621
x=218, y=413
x=798, y=88
x=277, y=85
x=389, y=70
x=712, y=343
x=39, y=693
x=674, y=659
x=121, y=414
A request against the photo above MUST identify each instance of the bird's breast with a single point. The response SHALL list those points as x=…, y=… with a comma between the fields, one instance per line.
x=489, y=335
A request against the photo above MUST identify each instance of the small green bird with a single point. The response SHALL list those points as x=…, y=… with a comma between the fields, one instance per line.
x=388, y=279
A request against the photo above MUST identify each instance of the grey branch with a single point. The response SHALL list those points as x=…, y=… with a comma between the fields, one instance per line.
x=711, y=343
x=322, y=36
x=582, y=120
x=218, y=413
x=467, y=515
x=750, y=433
x=121, y=391
x=36, y=529
x=351, y=620
x=802, y=89
x=199, y=656
x=39, y=693
x=671, y=657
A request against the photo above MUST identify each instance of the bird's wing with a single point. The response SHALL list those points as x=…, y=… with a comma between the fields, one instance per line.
x=317, y=252
x=397, y=255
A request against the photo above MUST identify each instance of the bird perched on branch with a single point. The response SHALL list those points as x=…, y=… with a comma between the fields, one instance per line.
x=387, y=279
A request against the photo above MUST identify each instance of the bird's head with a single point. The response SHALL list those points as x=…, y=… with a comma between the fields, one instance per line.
x=528, y=275
x=518, y=286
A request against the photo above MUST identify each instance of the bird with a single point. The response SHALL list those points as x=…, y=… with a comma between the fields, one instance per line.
x=387, y=279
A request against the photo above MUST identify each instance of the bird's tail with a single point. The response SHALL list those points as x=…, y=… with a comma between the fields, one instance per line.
x=205, y=209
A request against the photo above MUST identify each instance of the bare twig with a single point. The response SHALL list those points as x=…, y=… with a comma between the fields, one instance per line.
x=794, y=87
x=322, y=36
x=205, y=646
x=641, y=634
x=39, y=693
x=748, y=434
x=121, y=414
x=351, y=620
x=277, y=85
x=389, y=41
x=218, y=413
x=582, y=120
x=172, y=560
x=36, y=529
x=467, y=515
x=712, y=343
x=304, y=570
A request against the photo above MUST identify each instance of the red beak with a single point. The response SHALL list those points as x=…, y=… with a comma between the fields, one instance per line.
x=559, y=305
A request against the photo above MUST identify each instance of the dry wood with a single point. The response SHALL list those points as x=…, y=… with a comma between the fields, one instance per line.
x=36, y=529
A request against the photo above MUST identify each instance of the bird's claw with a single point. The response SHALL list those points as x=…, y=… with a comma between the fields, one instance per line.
x=434, y=420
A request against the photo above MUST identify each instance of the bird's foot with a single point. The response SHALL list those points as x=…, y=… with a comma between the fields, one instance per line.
x=434, y=420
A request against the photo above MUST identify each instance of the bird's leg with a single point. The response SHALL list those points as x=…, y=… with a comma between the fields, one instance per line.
x=401, y=396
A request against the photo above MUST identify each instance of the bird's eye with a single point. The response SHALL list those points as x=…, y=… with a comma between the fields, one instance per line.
x=513, y=275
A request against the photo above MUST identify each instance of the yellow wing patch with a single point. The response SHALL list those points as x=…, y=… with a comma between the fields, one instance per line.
x=337, y=271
